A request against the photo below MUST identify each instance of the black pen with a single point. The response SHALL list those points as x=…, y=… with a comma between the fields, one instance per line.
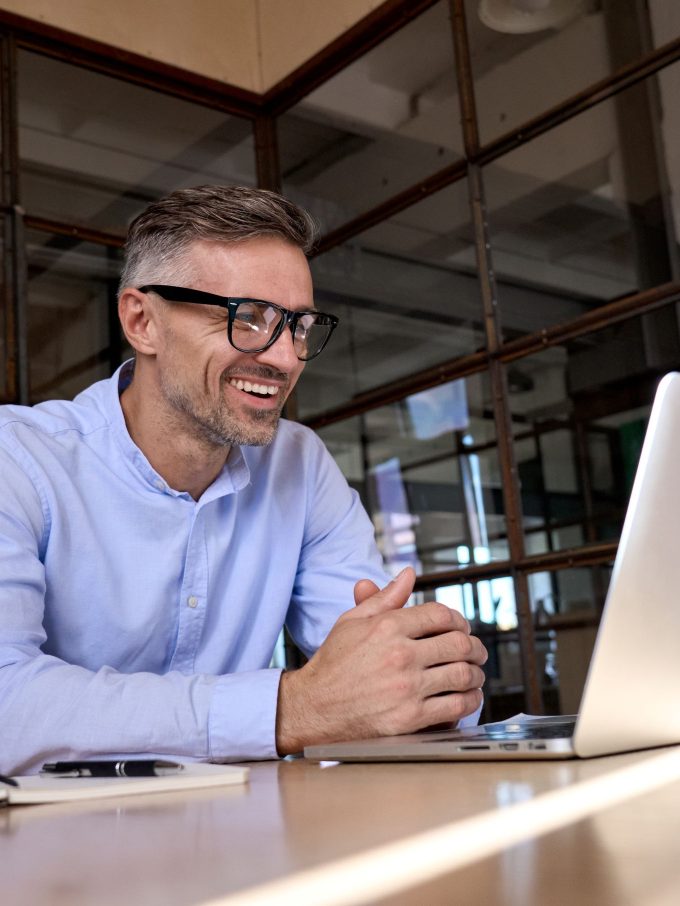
x=129, y=768
x=10, y=781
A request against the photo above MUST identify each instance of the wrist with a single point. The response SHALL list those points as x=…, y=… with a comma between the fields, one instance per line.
x=290, y=737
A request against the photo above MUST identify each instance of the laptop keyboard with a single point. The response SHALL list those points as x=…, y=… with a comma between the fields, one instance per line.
x=533, y=731
x=546, y=728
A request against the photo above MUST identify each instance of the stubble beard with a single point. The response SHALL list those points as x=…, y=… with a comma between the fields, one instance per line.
x=216, y=424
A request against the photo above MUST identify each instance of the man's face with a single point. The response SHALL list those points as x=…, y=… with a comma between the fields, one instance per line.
x=223, y=395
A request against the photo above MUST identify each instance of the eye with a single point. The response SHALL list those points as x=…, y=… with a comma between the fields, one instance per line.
x=251, y=316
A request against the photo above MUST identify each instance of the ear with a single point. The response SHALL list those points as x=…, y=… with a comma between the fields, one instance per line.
x=139, y=320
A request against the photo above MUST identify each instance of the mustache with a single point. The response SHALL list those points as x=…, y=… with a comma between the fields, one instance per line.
x=256, y=371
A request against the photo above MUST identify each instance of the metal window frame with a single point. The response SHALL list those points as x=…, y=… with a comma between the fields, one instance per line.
x=263, y=110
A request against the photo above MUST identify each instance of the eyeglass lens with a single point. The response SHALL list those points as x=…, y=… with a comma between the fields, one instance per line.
x=255, y=322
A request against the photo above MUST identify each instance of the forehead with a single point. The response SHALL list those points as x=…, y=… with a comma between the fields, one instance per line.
x=268, y=267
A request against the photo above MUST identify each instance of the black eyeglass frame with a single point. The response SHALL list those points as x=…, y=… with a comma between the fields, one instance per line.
x=231, y=303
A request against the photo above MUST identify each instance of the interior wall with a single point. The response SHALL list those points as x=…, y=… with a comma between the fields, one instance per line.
x=251, y=44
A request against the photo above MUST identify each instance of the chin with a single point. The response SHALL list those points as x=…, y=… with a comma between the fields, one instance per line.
x=260, y=438
x=253, y=433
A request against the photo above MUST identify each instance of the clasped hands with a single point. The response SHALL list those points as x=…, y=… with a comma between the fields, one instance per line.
x=382, y=670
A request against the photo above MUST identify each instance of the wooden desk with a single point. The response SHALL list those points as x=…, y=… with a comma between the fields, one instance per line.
x=295, y=820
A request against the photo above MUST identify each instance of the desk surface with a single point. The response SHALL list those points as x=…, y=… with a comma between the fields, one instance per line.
x=294, y=818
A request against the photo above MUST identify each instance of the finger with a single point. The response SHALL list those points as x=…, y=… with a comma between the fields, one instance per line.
x=363, y=590
x=441, y=709
x=449, y=647
x=458, y=677
x=393, y=596
x=430, y=620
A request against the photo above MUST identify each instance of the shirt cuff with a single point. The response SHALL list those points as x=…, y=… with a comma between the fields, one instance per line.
x=242, y=721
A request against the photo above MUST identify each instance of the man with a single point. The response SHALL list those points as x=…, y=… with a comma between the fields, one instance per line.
x=157, y=532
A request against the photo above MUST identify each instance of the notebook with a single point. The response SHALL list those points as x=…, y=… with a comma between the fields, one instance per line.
x=35, y=789
x=630, y=700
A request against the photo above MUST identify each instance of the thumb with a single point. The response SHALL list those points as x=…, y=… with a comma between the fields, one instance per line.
x=393, y=596
x=363, y=590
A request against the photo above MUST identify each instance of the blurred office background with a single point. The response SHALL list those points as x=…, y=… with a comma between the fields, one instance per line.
x=497, y=187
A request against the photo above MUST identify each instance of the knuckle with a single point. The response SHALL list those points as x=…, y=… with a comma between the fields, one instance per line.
x=442, y=613
x=464, y=675
x=438, y=616
x=442, y=648
x=383, y=626
x=464, y=644
x=459, y=621
x=400, y=657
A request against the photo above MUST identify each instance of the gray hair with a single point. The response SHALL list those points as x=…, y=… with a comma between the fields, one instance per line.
x=159, y=237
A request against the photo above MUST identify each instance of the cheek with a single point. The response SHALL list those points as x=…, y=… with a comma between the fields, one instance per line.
x=295, y=377
x=216, y=362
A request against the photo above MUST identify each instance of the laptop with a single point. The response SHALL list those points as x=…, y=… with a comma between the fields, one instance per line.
x=631, y=698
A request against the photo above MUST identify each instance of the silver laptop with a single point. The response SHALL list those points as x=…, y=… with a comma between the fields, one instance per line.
x=631, y=698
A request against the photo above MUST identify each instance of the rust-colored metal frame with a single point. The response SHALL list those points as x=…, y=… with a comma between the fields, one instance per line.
x=13, y=294
x=263, y=111
x=497, y=375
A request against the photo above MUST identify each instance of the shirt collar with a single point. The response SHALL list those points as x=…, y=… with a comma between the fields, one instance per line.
x=234, y=476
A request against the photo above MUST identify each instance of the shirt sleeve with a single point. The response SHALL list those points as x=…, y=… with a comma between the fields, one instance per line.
x=338, y=549
x=52, y=710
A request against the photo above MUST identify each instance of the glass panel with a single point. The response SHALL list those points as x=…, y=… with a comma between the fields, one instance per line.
x=529, y=56
x=567, y=605
x=579, y=416
x=3, y=323
x=667, y=126
x=427, y=471
x=382, y=124
x=407, y=297
x=71, y=299
x=95, y=150
x=579, y=216
x=665, y=21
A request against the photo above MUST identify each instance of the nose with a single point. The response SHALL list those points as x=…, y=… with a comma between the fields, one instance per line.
x=281, y=354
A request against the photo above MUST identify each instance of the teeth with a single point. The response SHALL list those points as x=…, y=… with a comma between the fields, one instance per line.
x=250, y=387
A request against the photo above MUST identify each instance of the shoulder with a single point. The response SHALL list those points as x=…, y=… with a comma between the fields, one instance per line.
x=295, y=451
x=81, y=416
x=293, y=434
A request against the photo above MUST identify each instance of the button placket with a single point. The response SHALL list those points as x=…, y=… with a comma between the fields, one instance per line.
x=192, y=596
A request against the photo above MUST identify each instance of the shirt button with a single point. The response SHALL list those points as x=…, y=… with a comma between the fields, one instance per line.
x=160, y=484
x=192, y=601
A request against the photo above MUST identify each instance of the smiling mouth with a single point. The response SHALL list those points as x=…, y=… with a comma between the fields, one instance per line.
x=261, y=391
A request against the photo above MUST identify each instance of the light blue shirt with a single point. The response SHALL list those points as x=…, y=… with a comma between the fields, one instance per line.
x=134, y=619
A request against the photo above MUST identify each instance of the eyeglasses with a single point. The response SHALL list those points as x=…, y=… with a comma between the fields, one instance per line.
x=254, y=325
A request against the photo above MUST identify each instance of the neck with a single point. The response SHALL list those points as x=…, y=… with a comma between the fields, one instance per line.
x=186, y=461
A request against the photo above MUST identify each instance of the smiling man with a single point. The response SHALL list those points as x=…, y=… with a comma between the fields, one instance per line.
x=157, y=532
